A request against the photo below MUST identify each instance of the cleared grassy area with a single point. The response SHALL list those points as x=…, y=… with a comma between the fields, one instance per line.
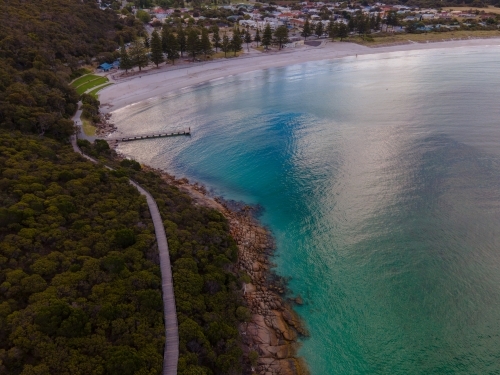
x=96, y=82
x=403, y=38
x=84, y=79
x=88, y=128
x=95, y=91
x=220, y=55
x=489, y=9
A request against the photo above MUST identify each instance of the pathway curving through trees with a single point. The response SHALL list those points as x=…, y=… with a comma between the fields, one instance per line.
x=171, y=352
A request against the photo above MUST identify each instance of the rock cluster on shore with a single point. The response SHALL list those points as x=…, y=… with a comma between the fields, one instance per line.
x=104, y=127
x=274, y=327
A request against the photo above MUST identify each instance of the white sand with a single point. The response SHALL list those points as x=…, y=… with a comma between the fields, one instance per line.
x=158, y=82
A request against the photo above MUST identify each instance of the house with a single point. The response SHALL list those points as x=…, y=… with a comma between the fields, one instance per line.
x=297, y=22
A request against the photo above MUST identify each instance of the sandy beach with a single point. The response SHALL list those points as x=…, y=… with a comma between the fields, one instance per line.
x=158, y=82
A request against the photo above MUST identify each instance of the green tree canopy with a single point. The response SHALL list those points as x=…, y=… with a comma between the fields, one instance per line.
x=281, y=36
x=139, y=54
x=156, y=49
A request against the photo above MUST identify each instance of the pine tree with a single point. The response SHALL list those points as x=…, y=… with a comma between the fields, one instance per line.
x=319, y=29
x=281, y=36
x=257, y=38
x=138, y=54
x=351, y=25
x=125, y=61
x=156, y=49
x=193, y=45
x=206, y=46
x=378, y=20
x=236, y=41
x=306, y=31
x=333, y=30
x=267, y=37
x=343, y=31
x=146, y=42
x=248, y=39
x=165, y=32
x=172, y=48
x=226, y=45
x=181, y=39
x=216, y=37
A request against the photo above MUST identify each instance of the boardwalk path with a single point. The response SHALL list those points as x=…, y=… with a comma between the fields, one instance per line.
x=171, y=354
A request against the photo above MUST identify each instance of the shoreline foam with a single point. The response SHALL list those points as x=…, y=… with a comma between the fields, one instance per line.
x=158, y=83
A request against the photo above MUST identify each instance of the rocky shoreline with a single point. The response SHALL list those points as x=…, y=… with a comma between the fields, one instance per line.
x=270, y=336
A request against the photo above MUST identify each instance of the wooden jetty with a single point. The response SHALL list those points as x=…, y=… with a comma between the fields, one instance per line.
x=149, y=136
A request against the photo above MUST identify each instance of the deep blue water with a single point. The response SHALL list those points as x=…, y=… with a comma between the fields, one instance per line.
x=380, y=179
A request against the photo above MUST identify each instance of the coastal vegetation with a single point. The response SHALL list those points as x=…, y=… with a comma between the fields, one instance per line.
x=80, y=281
x=42, y=47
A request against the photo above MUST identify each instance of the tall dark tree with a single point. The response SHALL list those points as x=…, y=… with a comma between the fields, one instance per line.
x=257, y=37
x=333, y=30
x=165, y=32
x=156, y=49
x=267, y=37
x=318, y=30
x=351, y=24
x=125, y=60
x=181, y=39
x=306, y=31
x=172, y=48
x=225, y=45
x=236, y=41
x=378, y=21
x=206, y=46
x=193, y=45
x=281, y=36
x=216, y=39
x=138, y=54
x=343, y=31
x=248, y=39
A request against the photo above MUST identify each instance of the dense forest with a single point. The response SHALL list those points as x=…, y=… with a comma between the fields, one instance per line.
x=42, y=45
x=80, y=285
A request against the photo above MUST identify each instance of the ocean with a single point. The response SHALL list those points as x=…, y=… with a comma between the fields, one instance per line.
x=379, y=177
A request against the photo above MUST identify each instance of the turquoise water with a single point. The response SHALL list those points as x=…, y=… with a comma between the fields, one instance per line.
x=380, y=179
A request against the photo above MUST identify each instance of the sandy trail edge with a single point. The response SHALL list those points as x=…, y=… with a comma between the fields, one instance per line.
x=157, y=83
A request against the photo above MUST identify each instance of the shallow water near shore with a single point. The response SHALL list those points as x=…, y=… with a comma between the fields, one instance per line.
x=380, y=180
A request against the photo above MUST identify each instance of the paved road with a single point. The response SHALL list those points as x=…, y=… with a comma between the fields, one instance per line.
x=171, y=352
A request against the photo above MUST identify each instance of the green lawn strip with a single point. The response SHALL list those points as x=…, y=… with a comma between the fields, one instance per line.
x=88, y=128
x=96, y=82
x=95, y=91
x=84, y=79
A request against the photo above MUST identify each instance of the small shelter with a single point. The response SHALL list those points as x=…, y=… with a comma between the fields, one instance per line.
x=105, y=67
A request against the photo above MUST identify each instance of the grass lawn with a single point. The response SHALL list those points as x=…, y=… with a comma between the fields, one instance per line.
x=84, y=79
x=96, y=82
x=220, y=55
x=489, y=9
x=88, y=128
x=95, y=91
x=384, y=39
